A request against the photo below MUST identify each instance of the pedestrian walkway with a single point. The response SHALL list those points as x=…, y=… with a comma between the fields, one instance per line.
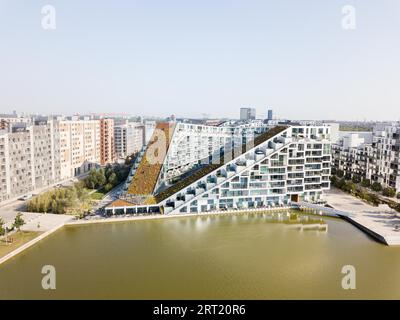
x=383, y=223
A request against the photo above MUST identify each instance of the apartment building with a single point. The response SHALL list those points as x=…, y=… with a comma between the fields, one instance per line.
x=107, y=149
x=129, y=138
x=8, y=120
x=374, y=155
x=46, y=152
x=79, y=145
x=247, y=114
x=280, y=164
x=29, y=158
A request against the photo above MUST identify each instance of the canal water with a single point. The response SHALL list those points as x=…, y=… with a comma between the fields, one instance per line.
x=241, y=256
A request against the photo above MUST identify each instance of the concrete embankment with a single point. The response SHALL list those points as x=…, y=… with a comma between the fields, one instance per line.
x=168, y=216
x=29, y=244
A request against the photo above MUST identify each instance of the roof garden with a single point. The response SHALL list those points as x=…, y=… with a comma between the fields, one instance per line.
x=146, y=175
x=232, y=153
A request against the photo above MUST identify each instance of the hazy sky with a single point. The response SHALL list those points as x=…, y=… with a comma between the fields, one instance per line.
x=206, y=56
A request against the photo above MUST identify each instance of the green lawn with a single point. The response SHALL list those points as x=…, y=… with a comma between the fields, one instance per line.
x=18, y=239
x=98, y=195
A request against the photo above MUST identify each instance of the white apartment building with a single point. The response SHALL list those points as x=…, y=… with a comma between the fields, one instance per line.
x=129, y=138
x=373, y=155
x=29, y=158
x=280, y=164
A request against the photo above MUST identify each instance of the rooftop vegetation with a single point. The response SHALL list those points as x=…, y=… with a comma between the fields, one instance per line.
x=146, y=175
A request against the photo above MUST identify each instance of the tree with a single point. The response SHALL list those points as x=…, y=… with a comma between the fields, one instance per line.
x=389, y=192
x=398, y=195
x=113, y=179
x=108, y=187
x=366, y=183
x=18, y=221
x=356, y=178
x=376, y=186
x=349, y=187
x=2, y=229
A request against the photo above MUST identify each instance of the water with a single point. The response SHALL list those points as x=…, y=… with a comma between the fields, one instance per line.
x=248, y=256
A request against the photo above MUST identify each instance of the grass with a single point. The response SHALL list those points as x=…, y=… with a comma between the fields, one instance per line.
x=19, y=238
x=98, y=195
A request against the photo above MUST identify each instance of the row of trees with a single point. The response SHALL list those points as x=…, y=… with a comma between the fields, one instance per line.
x=106, y=178
x=366, y=183
x=350, y=186
x=62, y=200
x=18, y=223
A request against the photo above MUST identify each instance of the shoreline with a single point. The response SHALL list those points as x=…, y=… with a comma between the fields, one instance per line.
x=29, y=244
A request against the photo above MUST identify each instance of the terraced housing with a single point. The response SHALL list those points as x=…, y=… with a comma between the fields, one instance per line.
x=275, y=166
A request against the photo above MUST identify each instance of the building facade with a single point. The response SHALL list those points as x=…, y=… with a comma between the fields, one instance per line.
x=29, y=158
x=373, y=156
x=282, y=164
x=107, y=149
x=79, y=146
x=247, y=114
x=129, y=138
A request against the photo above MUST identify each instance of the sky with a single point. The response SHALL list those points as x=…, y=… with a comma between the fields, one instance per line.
x=202, y=58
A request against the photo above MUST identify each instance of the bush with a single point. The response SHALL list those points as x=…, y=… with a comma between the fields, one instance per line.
x=376, y=186
x=349, y=187
x=356, y=179
x=398, y=195
x=366, y=183
x=2, y=230
x=108, y=187
x=389, y=192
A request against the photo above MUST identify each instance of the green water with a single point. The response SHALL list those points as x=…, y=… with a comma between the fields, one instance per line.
x=248, y=256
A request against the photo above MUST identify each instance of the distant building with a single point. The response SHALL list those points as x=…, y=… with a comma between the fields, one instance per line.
x=247, y=114
x=107, y=151
x=129, y=138
x=149, y=127
x=7, y=121
x=269, y=114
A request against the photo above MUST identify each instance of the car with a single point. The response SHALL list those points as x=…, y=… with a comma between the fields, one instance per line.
x=25, y=197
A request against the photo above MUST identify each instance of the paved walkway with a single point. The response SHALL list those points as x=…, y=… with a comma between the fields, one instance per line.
x=380, y=222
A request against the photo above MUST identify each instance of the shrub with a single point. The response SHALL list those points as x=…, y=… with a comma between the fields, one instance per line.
x=376, y=186
x=366, y=183
x=356, y=178
x=398, y=195
x=2, y=230
x=349, y=187
x=389, y=192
